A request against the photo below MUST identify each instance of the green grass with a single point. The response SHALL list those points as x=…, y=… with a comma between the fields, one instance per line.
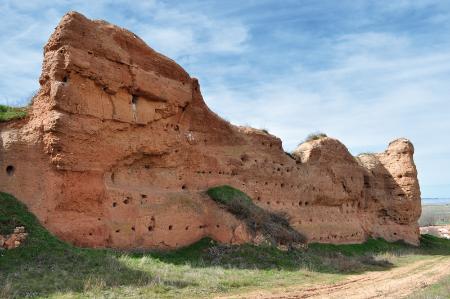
x=274, y=228
x=45, y=267
x=440, y=290
x=8, y=113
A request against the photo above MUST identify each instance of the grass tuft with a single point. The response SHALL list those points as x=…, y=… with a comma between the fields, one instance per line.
x=315, y=136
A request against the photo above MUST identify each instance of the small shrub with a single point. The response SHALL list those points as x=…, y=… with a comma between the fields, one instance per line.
x=315, y=136
x=265, y=130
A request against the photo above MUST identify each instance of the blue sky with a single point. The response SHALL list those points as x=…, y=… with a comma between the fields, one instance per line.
x=365, y=72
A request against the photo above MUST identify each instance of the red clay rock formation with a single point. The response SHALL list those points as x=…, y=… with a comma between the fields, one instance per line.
x=120, y=147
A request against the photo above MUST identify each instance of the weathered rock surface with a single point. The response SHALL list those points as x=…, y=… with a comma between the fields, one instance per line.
x=120, y=147
x=440, y=231
x=13, y=240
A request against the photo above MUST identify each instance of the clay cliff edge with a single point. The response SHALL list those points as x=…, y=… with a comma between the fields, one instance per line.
x=119, y=148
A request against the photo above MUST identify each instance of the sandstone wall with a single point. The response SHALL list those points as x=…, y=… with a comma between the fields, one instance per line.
x=120, y=147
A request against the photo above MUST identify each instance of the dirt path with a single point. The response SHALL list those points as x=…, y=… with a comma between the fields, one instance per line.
x=396, y=283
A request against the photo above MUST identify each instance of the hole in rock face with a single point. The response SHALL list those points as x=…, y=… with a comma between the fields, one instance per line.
x=65, y=79
x=134, y=100
x=186, y=228
x=366, y=180
x=183, y=187
x=118, y=231
x=143, y=195
x=114, y=204
x=170, y=227
x=150, y=228
x=10, y=170
x=126, y=201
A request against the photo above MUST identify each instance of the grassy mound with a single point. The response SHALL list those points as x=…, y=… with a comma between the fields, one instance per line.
x=43, y=264
x=8, y=113
x=275, y=228
x=46, y=267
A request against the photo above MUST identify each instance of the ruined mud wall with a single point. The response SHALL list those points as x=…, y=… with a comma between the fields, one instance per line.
x=120, y=147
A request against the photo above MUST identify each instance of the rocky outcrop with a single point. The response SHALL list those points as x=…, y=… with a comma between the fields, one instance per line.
x=13, y=240
x=120, y=147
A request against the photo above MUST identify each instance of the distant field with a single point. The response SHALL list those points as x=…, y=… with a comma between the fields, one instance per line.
x=435, y=201
x=435, y=215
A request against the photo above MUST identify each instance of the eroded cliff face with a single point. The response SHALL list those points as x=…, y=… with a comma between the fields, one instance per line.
x=120, y=147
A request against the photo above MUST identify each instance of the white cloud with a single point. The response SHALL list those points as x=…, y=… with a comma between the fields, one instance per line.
x=377, y=89
x=178, y=33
